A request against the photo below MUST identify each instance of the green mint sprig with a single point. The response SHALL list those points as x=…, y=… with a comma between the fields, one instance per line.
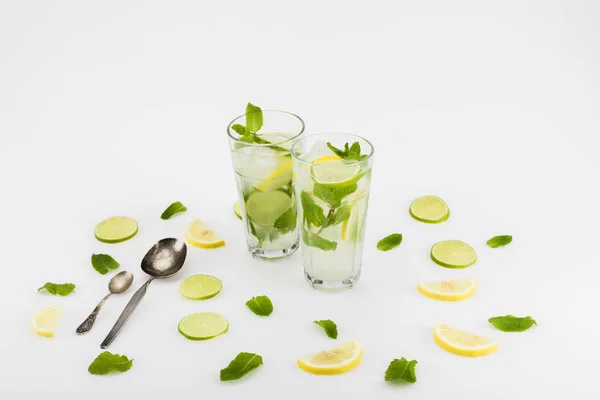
x=329, y=327
x=509, y=323
x=107, y=362
x=499, y=241
x=260, y=305
x=240, y=366
x=173, y=209
x=349, y=152
x=401, y=370
x=60, y=289
x=389, y=242
x=103, y=262
x=254, y=121
x=317, y=241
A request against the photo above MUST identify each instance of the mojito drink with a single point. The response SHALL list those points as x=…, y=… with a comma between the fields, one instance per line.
x=332, y=180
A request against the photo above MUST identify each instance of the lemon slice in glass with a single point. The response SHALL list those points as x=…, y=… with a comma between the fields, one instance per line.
x=453, y=254
x=200, y=287
x=342, y=358
x=203, y=326
x=281, y=176
x=451, y=290
x=46, y=321
x=463, y=343
x=429, y=209
x=198, y=234
x=351, y=227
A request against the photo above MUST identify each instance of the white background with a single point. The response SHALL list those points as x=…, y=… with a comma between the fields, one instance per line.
x=120, y=108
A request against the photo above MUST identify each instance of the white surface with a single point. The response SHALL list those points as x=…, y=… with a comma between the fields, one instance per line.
x=116, y=107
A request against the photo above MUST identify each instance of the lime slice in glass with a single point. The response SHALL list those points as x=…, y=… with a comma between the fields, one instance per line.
x=265, y=207
x=429, y=209
x=453, y=254
x=200, y=287
x=203, y=326
x=331, y=171
x=237, y=210
x=116, y=229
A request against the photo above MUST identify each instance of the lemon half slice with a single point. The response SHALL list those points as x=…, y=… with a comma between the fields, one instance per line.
x=199, y=234
x=463, y=343
x=46, y=321
x=342, y=358
x=452, y=290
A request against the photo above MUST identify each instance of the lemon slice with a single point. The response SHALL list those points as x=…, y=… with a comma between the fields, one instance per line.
x=203, y=326
x=333, y=172
x=116, y=229
x=429, y=209
x=342, y=358
x=351, y=226
x=237, y=210
x=280, y=176
x=46, y=321
x=200, y=287
x=463, y=343
x=452, y=290
x=453, y=254
x=199, y=234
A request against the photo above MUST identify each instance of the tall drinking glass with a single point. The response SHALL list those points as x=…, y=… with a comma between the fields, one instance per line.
x=332, y=177
x=263, y=172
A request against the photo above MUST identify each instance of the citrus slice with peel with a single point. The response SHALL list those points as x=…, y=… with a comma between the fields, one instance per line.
x=198, y=234
x=429, y=209
x=453, y=254
x=116, y=229
x=451, y=290
x=237, y=210
x=342, y=358
x=331, y=171
x=463, y=343
x=200, y=287
x=265, y=207
x=46, y=321
x=203, y=326
x=280, y=176
x=351, y=226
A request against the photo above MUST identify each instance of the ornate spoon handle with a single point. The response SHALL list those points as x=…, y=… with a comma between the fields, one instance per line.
x=89, y=321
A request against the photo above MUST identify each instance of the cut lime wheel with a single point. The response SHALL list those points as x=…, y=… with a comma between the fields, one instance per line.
x=237, y=210
x=200, y=287
x=333, y=172
x=453, y=254
x=116, y=229
x=203, y=326
x=265, y=207
x=429, y=209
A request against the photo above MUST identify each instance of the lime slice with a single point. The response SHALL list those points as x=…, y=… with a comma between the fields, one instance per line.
x=203, y=326
x=265, y=207
x=332, y=172
x=237, y=210
x=352, y=226
x=116, y=229
x=453, y=254
x=429, y=209
x=200, y=287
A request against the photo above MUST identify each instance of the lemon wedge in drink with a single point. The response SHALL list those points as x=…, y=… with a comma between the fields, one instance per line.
x=46, y=321
x=280, y=176
x=351, y=226
x=463, y=343
x=342, y=358
x=451, y=290
x=199, y=234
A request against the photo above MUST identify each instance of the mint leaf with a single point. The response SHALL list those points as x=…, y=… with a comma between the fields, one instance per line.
x=253, y=138
x=312, y=212
x=336, y=151
x=60, y=289
x=240, y=366
x=509, y=323
x=389, y=242
x=317, y=241
x=260, y=305
x=107, y=362
x=349, y=153
x=286, y=221
x=499, y=241
x=329, y=326
x=240, y=129
x=339, y=216
x=401, y=369
x=103, y=262
x=173, y=209
x=254, y=118
x=333, y=195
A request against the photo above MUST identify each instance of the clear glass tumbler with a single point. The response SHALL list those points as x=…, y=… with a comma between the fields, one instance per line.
x=263, y=172
x=332, y=177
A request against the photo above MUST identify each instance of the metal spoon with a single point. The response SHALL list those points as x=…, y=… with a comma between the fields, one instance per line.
x=117, y=285
x=163, y=260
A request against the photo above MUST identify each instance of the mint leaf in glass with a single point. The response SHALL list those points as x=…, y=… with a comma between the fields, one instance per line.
x=351, y=153
x=286, y=221
x=499, y=241
x=260, y=305
x=173, y=209
x=333, y=196
x=240, y=366
x=107, y=362
x=337, y=217
x=401, y=370
x=254, y=118
x=312, y=212
x=389, y=242
x=103, y=262
x=317, y=241
x=329, y=326
x=509, y=323
x=60, y=289
x=239, y=129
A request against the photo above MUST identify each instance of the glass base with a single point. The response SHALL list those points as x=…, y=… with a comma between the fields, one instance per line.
x=331, y=285
x=273, y=255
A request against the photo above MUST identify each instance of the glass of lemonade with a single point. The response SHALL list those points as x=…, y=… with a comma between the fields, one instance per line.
x=263, y=170
x=332, y=177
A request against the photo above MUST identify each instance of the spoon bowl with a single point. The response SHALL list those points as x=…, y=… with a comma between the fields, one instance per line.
x=120, y=282
x=165, y=258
